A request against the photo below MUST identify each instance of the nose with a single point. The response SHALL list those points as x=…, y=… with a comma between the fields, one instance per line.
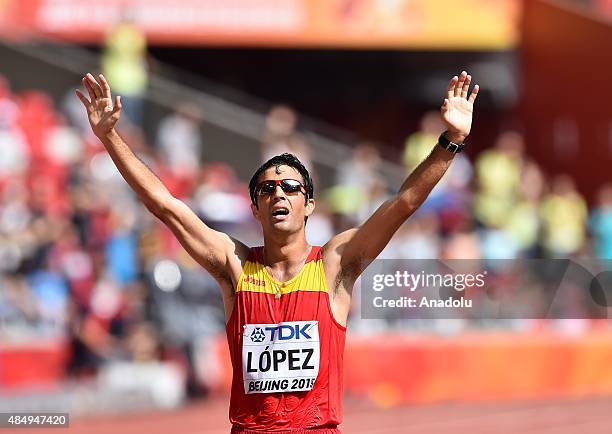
x=278, y=196
x=278, y=191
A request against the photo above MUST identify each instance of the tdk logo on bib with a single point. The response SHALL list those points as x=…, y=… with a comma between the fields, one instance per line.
x=285, y=332
x=258, y=335
x=280, y=357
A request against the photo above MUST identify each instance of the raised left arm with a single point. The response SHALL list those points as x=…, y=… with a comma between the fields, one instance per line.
x=350, y=252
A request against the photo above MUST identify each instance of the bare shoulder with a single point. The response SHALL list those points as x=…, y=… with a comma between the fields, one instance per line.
x=333, y=249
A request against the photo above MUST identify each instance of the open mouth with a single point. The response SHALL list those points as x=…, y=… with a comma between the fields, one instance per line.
x=280, y=212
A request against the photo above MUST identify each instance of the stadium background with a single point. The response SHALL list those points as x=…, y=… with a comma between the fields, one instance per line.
x=104, y=316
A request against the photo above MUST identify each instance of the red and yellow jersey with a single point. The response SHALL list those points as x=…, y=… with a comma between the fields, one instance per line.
x=286, y=350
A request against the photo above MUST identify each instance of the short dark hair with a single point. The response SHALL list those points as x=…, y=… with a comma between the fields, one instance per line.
x=285, y=159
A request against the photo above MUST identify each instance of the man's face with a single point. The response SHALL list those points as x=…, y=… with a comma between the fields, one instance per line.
x=280, y=210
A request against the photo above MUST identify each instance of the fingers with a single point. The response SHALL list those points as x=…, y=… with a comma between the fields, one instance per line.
x=94, y=85
x=450, y=90
x=460, y=86
x=460, y=83
x=117, y=108
x=105, y=87
x=89, y=88
x=474, y=94
x=94, y=89
x=466, y=86
x=84, y=100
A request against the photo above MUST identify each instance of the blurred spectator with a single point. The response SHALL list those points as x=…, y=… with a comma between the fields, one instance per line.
x=15, y=220
x=220, y=198
x=463, y=244
x=18, y=307
x=564, y=217
x=498, y=172
x=75, y=264
x=124, y=65
x=279, y=128
x=497, y=244
x=356, y=180
x=522, y=224
x=601, y=223
x=51, y=294
x=179, y=139
x=15, y=155
x=122, y=247
x=420, y=143
x=419, y=238
x=280, y=135
x=360, y=171
x=319, y=228
x=143, y=344
x=376, y=194
x=298, y=146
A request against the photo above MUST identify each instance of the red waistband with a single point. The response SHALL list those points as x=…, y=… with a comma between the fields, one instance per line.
x=237, y=430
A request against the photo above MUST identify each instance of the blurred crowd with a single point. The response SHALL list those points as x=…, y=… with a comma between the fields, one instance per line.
x=82, y=260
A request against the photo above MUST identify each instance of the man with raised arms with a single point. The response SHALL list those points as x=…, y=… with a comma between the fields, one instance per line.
x=286, y=302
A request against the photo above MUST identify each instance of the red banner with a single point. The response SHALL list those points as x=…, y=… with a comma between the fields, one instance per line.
x=430, y=24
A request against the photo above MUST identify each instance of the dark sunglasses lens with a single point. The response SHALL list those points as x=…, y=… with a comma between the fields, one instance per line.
x=267, y=188
x=290, y=185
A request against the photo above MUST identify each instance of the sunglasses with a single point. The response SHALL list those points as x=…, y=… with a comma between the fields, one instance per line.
x=287, y=185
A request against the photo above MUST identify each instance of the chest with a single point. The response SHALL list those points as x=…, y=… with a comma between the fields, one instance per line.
x=252, y=307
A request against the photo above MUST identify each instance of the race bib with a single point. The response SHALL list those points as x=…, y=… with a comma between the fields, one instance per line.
x=280, y=357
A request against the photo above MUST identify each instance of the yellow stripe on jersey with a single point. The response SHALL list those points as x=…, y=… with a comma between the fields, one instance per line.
x=255, y=278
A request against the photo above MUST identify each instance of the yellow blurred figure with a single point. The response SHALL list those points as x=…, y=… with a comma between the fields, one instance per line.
x=125, y=67
x=522, y=224
x=498, y=172
x=420, y=143
x=564, y=217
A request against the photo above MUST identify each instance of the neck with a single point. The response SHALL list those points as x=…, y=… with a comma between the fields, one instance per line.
x=283, y=248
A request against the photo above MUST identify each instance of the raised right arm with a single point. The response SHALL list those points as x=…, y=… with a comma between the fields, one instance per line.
x=212, y=249
x=218, y=253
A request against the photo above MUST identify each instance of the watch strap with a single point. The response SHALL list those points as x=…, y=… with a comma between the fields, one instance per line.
x=452, y=147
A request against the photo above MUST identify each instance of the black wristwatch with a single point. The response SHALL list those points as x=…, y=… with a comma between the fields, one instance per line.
x=452, y=147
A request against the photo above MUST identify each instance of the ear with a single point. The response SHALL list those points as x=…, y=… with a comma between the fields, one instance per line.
x=255, y=211
x=310, y=207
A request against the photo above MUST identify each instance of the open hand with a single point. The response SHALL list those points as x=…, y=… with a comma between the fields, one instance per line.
x=457, y=108
x=102, y=115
